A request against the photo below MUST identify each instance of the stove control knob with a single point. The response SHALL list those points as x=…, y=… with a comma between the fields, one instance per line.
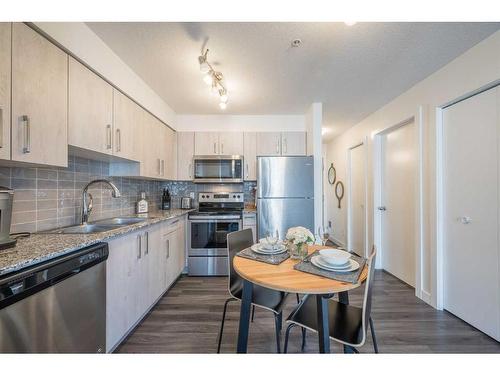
x=234, y=196
x=238, y=196
x=203, y=196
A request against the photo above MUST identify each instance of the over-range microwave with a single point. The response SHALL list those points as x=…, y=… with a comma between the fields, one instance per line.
x=218, y=168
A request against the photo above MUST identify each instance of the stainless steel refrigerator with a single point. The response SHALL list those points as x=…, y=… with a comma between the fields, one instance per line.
x=285, y=193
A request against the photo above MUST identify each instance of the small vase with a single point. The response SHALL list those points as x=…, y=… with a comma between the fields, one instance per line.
x=298, y=251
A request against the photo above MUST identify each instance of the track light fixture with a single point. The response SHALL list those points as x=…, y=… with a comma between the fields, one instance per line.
x=213, y=79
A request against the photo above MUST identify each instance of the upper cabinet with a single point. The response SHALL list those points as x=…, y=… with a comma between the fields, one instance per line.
x=218, y=143
x=250, y=156
x=127, y=130
x=269, y=144
x=185, y=153
x=169, y=166
x=90, y=112
x=5, y=56
x=39, y=99
x=281, y=144
x=293, y=143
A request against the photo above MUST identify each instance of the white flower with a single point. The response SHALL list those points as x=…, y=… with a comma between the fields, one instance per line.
x=300, y=235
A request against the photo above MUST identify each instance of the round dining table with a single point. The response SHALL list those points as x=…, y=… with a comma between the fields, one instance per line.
x=285, y=278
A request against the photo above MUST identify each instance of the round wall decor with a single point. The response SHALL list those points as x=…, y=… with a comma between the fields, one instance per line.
x=339, y=191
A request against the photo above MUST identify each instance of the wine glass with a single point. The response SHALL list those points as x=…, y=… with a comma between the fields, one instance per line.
x=325, y=237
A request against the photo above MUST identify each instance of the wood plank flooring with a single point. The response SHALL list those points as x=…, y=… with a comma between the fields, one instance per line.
x=187, y=320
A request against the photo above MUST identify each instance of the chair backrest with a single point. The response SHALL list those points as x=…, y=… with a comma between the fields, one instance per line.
x=367, y=299
x=237, y=241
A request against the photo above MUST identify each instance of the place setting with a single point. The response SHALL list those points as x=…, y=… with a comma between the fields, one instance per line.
x=270, y=249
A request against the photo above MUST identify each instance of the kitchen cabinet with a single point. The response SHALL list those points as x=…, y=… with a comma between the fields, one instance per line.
x=218, y=143
x=169, y=169
x=185, y=153
x=127, y=127
x=281, y=144
x=293, y=143
x=206, y=143
x=269, y=144
x=250, y=156
x=90, y=112
x=230, y=143
x=250, y=222
x=39, y=99
x=173, y=241
x=5, y=69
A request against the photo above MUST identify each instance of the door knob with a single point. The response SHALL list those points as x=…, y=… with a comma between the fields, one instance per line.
x=465, y=219
x=381, y=208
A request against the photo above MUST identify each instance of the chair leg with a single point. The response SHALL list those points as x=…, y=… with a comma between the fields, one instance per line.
x=298, y=298
x=222, y=323
x=287, y=335
x=374, y=338
x=253, y=312
x=278, y=321
x=303, y=340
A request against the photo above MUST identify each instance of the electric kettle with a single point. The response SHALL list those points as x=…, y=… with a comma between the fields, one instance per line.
x=6, y=198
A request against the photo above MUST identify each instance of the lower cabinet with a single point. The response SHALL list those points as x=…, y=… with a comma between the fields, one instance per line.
x=141, y=266
x=250, y=222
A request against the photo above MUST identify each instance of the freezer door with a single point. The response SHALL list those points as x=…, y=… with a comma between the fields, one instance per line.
x=282, y=214
x=285, y=177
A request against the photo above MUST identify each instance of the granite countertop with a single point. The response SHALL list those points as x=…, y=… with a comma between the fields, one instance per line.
x=250, y=209
x=39, y=247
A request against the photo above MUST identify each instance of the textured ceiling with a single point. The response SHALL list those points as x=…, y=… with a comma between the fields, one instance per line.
x=352, y=70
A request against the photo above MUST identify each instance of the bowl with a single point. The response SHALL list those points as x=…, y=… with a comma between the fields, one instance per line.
x=335, y=257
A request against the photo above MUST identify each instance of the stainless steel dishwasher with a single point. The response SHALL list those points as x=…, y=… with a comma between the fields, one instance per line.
x=58, y=306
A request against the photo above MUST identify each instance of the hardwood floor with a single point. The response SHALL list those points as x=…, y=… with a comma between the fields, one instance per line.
x=187, y=320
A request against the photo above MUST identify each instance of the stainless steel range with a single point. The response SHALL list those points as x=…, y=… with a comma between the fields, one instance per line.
x=218, y=214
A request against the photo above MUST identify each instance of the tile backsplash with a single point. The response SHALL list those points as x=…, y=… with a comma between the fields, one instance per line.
x=50, y=197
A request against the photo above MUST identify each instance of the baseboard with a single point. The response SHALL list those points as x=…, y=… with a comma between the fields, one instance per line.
x=426, y=297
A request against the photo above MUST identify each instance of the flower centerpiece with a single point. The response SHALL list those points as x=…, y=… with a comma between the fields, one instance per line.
x=297, y=239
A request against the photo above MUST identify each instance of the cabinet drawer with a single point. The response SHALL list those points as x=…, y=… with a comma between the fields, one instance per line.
x=249, y=219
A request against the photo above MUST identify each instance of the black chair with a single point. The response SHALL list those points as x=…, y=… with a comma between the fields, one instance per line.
x=347, y=324
x=265, y=298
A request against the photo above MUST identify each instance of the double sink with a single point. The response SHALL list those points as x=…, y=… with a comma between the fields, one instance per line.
x=99, y=226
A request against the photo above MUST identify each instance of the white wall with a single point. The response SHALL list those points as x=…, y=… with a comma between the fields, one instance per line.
x=474, y=69
x=83, y=43
x=259, y=123
x=313, y=122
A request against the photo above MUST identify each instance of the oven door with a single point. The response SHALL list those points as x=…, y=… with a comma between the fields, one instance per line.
x=214, y=169
x=209, y=237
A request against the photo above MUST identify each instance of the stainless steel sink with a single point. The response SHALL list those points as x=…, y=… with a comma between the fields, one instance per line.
x=121, y=221
x=87, y=228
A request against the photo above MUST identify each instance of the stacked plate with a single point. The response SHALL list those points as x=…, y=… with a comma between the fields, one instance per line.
x=335, y=260
x=265, y=248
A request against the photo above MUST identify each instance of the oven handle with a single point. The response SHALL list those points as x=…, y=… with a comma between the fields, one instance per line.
x=228, y=221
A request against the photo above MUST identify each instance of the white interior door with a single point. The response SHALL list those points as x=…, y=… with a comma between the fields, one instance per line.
x=357, y=189
x=398, y=196
x=470, y=211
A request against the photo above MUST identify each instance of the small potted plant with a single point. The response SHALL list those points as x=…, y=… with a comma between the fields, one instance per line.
x=298, y=238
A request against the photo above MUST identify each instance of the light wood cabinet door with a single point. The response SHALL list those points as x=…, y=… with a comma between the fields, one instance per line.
x=293, y=143
x=268, y=144
x=155, y=265
x=90, y=112
x=250, y=156
x=185, y=153
x=206, y=143
x=181, y=245
x=230, y=143
x=169, y=163
x=5, y=69
x=127, y=127
x=39, y=99
x=151, y=162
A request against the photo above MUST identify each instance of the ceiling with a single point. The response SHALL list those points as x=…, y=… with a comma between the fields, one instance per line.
x=353, y=70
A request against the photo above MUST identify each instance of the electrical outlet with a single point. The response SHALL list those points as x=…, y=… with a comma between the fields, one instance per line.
x=191, y=195
x=329, y=223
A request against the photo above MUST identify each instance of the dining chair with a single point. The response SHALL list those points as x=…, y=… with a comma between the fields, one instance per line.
x=347, y=324
x=264, y=298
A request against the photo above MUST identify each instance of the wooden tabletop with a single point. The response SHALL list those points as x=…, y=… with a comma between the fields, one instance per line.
x=284, y=278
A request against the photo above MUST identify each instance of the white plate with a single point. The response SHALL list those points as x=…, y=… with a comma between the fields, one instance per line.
x=316, y=260
x=265, y=245
x=257, y=248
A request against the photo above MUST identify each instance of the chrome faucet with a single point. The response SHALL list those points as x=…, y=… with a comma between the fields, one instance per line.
x=88, y=205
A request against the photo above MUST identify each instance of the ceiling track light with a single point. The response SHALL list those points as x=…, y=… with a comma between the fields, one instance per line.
x=214, y=79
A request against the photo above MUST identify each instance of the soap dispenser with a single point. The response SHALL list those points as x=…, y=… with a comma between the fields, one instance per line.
x=142, y=204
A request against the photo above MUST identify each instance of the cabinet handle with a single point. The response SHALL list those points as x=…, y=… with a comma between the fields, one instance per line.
x=108, y=136
x=139, y=255
x=147, y=243
x=215, y=147
x=284, y=146
x=278, y=146
x=159, y=167
x=162, y=167
x=222, y=148
x=118, y=140
x=26, y=134
x=168, y=249
x=1, y=127
x=190, y=169
x=247, y=169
